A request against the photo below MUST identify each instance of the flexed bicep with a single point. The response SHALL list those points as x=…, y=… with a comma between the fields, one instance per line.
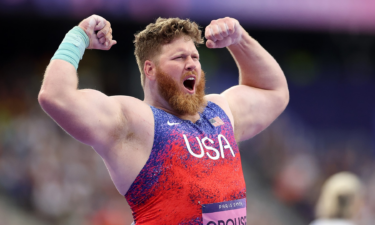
x=253, y=109
x=88, y=115
x=262, y=93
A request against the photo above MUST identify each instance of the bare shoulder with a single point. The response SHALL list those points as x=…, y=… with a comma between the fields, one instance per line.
x=222, y=102
x=131, y=105
x=134, y=125
x=137, y=114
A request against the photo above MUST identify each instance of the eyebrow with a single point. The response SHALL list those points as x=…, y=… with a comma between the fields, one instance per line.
x=183, y=51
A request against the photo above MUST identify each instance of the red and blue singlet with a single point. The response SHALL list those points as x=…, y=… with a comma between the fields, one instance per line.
x=193, y=175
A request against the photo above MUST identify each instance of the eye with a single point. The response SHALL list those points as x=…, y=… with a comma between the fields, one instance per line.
x=179, y=57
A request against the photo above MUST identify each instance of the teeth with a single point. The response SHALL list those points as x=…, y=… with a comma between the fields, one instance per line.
x=191, y=78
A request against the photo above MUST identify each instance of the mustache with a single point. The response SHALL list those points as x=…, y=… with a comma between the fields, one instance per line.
x=189, y=73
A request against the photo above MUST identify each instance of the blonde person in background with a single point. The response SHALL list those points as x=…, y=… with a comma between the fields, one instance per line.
x=340, y=200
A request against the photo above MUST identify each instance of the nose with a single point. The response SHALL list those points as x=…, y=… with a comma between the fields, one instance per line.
x=190, y=64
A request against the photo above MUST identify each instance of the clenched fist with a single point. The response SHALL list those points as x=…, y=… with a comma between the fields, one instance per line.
x=103, y=38
x=223, y=33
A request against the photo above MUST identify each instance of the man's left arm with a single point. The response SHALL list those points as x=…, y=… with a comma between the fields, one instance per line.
x=262, y=93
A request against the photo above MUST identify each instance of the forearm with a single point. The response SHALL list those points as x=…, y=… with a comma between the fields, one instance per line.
x=59, y=80
x=257, y=68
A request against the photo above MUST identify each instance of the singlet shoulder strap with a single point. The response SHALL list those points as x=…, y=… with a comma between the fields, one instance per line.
x=159, y=115
x=217, y=110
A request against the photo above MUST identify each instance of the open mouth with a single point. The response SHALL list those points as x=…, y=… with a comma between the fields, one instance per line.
x=189, y=83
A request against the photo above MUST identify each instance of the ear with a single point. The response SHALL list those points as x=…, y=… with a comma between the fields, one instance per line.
x=149, y=69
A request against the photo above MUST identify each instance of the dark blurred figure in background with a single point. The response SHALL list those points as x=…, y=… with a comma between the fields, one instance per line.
x=340, y=200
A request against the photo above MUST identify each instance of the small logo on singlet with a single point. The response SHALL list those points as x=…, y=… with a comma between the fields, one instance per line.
x=172, y=124
x=216, y=121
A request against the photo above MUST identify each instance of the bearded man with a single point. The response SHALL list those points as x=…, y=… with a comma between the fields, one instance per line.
x=174, y=155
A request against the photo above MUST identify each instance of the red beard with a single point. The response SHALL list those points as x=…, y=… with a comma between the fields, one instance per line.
x=181, y=103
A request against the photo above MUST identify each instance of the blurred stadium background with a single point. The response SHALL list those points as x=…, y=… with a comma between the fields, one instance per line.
x=325, y=47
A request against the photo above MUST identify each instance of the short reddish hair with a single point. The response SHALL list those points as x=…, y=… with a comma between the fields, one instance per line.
x=149, y=41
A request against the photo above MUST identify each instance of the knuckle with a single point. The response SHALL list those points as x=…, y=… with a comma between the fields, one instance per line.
x=229, y=20
x=230, y=28
x=218, y=36
x=207, y=32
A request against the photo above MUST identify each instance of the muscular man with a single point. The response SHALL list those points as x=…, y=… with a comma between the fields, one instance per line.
x=173, y=155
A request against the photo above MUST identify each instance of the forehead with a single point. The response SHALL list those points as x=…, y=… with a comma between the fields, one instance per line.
x=179, y=44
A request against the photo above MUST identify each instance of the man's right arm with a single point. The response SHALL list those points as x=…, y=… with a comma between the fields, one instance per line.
x=88, y=115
